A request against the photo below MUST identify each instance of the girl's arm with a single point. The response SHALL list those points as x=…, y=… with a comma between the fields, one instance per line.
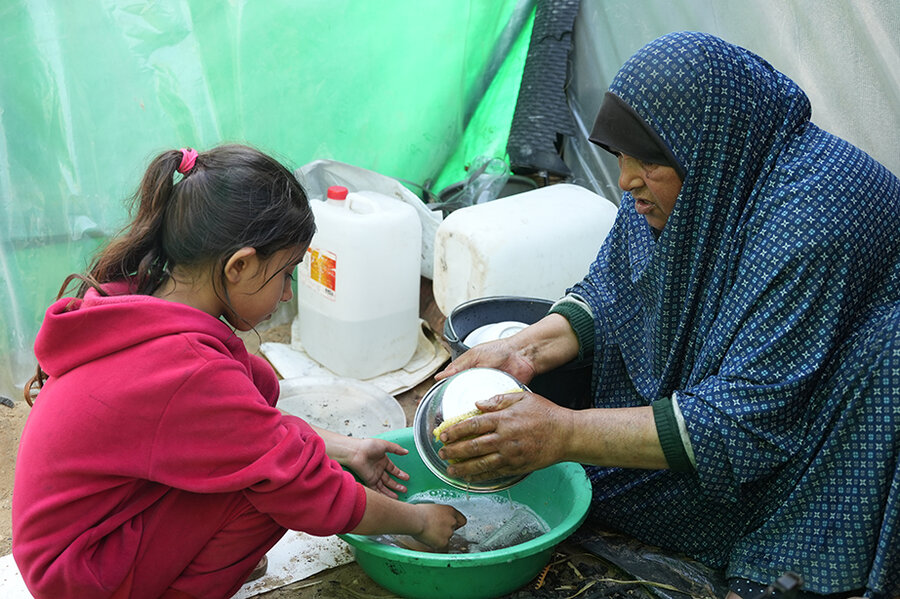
x=368, y=459
x=429, y=523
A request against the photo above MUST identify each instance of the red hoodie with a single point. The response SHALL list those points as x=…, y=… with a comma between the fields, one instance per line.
x=145, y=395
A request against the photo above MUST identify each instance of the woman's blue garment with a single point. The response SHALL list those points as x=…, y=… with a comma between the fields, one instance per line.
x=767, y=306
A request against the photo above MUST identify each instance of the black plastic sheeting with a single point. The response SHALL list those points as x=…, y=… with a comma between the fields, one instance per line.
x=594, y=564
x=542, y=115
x=666, y=570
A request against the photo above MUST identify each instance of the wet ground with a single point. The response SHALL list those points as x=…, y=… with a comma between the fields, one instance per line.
x=572, y=572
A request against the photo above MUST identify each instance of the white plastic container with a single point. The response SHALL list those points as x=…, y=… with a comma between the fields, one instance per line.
x=358, y=287
x=532, y=244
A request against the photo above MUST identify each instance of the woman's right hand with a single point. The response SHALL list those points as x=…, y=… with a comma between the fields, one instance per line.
x=439, y=524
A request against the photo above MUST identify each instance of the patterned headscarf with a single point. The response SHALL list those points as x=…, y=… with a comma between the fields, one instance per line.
x=782, y=238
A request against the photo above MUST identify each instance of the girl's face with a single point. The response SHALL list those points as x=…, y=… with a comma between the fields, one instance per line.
x=264, y=284
x=654, y=188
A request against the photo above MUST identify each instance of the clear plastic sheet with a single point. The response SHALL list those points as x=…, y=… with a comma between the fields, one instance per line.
x=484, y=182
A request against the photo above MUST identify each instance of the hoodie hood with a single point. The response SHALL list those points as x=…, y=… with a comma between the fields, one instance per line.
x=76, y=331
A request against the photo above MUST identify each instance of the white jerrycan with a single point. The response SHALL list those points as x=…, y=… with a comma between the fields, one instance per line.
x=358, y=287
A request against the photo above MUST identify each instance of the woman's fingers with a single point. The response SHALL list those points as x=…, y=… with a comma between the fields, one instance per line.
x=486, y=467
x=518, y=433
x=499, y=402
x=470, y=427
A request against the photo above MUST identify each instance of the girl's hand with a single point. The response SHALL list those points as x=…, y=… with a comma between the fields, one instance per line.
x=417, y=524
x=368, y=459
x=370, y=462
x=439, y=524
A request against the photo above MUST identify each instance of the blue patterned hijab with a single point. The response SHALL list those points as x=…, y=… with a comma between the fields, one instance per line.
x=782, y=240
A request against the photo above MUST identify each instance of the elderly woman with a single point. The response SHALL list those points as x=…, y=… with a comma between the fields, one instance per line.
x=744, y=320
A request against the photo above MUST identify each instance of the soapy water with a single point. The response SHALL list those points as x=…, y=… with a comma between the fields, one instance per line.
x=492, y=522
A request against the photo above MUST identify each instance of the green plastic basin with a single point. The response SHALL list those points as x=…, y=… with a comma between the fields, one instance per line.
x=560, y=494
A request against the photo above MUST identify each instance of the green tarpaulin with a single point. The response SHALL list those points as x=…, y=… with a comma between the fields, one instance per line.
x=90, y=91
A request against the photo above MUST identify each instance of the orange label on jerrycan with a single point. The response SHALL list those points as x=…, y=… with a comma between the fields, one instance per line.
x=322, y=269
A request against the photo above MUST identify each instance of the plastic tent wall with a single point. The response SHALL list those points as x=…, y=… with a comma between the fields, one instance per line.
x=91, y=91
x=844, y=54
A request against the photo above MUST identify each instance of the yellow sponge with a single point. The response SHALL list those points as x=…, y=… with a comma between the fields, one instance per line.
x=457, y=419
x=450, y=422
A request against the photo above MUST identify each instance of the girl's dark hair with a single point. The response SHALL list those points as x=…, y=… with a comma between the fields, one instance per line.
x=234, y=196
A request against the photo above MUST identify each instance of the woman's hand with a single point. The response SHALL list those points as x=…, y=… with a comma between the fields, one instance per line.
x=370, y=462
x=518, y=433
x=524, y=432
x=538, y=348
x=500, y=354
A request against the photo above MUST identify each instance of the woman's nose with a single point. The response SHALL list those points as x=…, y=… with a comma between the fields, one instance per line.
x=629, y=173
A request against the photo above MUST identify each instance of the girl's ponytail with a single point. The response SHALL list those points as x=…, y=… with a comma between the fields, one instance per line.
x=138, y=252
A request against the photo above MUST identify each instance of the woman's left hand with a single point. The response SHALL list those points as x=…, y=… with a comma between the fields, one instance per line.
x=370, y=462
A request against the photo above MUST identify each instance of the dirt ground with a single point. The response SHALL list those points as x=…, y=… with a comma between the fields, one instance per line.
x=11, y=422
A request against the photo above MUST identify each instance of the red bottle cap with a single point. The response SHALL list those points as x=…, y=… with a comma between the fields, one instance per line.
x=337, y=192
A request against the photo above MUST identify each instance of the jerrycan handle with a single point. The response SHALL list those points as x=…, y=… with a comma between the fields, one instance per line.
x=361, y=204
x=450, y=333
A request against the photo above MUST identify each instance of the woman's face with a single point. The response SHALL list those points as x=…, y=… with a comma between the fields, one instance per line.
x=654, y=187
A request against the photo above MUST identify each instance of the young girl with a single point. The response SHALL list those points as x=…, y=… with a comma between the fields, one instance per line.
x=154, y=462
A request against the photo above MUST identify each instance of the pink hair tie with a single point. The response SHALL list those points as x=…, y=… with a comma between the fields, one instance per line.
x=188, y=158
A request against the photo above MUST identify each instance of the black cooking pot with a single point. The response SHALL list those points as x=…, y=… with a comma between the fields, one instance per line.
x=569, y=385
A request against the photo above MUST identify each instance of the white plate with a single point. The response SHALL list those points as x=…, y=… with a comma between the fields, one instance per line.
x=493, y=331
x=347, y=406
